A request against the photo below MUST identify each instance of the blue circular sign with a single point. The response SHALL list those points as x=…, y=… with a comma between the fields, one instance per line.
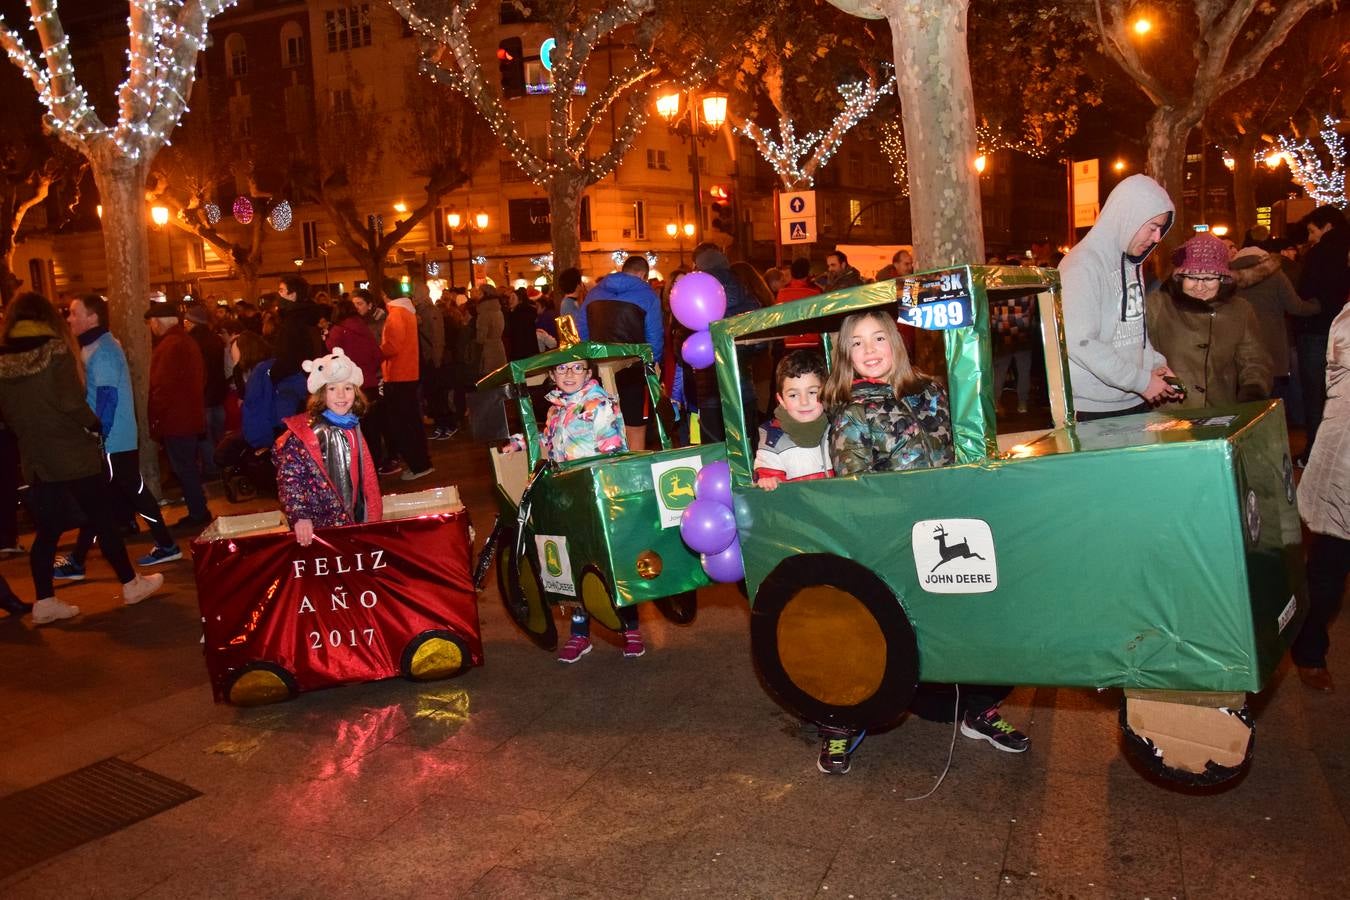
x=796, y=204
x=546, y=53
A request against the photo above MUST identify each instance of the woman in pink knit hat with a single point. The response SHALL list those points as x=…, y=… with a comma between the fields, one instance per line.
x=1209, y=335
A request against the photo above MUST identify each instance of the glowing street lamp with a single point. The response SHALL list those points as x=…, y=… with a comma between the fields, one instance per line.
x=981, y=162
x=668, y=107
x=1119, y=166
x=160, y=216
x=681, y=232
x=714, y=110
x=688, y=123
x=1142, y=26
x=454, y=220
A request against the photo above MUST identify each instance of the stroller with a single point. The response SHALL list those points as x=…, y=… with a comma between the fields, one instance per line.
x=246, y=471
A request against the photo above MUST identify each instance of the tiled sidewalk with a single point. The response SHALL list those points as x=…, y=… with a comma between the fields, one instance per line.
x=669, y=775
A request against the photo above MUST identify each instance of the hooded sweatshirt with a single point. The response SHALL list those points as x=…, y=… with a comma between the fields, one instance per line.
x=1110, y=359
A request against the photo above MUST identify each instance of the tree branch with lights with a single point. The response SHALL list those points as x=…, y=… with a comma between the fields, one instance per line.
x=568, y=163
x=164, y=38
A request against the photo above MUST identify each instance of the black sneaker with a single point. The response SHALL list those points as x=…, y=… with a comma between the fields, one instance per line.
x=992, y=727
x=836, y=750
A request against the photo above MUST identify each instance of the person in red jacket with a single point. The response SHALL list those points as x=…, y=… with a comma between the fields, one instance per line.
x=799, y=287
x=403, y=411
x=177, y=406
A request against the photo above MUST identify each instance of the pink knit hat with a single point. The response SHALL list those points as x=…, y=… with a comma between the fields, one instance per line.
x=1203, y=254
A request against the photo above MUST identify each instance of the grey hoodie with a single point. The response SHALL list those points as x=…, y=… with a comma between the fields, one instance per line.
x=1110, y=359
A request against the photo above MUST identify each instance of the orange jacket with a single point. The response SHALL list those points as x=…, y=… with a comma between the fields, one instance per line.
x=399, y=344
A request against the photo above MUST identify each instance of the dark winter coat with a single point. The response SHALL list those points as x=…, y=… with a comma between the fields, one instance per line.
x=43, y=404
x=1326, y=279
x=622, y=309
x=355, y=338
x=1214, y=347
x=176, y=405
x=303, y=485
x=212, y=349
x=521, y=341
x=1272, y=297
x=267, y=403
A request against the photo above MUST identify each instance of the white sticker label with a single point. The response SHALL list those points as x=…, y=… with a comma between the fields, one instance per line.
x=955, y=556
x=1287, y=614
x=673, y=481
x=555, y=566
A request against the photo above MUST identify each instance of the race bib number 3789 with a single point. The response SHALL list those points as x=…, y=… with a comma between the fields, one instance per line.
x=936, y=302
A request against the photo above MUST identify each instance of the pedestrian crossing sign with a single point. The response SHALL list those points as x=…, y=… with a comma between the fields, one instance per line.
x=797, y=231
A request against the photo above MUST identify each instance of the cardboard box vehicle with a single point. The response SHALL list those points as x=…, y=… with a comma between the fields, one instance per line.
x=1158, y=553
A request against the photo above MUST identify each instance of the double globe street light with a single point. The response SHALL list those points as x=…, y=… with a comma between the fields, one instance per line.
x=454, y=220
x=689, y=124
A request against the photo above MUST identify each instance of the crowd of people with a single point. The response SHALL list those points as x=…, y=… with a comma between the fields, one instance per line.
x=316, y=397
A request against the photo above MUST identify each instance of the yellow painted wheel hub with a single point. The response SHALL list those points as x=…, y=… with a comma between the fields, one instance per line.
x=436, y=658
x=258, y=687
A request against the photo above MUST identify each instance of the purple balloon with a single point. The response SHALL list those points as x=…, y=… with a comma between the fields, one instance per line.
x=714, y=483
x=726, y=566
x=698, y=349
x=707, y=526
x=698, y=300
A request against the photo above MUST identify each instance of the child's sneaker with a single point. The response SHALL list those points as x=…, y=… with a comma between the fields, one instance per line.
x=632, y=644
x=992, y=727
x=67, y=569
x=836, y=750
x=576, y=647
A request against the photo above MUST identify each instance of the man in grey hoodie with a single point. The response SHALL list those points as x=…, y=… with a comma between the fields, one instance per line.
x=1113, y=369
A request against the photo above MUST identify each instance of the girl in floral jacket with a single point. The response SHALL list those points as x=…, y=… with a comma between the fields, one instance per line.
x=325, y=476
x=584, y=420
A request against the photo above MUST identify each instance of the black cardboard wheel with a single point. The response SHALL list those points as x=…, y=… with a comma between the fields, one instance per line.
x=1153, y=760
x=523, y=595
x=679, y=608
x=832, y=643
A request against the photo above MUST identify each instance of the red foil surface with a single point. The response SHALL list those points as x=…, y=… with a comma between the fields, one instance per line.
x=341, y=610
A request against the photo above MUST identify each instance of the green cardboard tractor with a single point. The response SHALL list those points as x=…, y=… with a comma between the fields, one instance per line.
x=602, y=531
x=1159, y=553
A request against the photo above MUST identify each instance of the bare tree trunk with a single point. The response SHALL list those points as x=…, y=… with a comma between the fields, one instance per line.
x=1168, y=131
x=564, y=224
x=9, y=282
x=933, y=72
x=121, y=187
x=1244, y=184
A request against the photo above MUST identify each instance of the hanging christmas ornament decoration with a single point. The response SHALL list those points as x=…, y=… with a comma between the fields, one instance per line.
x=618, y=256
x=243, y=210
x=212, y=213
x=651, y=259
x=280, y=216
x=433, y=268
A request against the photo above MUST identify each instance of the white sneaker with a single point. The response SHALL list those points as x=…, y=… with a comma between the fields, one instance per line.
x=134, y=592
x=410, y=475
x=49, y=609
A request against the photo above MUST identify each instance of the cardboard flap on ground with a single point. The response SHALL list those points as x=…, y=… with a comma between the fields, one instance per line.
x=396, y=506
x=1189, y=736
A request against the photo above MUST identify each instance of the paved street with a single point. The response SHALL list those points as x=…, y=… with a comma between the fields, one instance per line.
x=669, y=775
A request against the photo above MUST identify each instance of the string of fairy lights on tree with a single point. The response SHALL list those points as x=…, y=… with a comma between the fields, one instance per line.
x=452, y=60
x=165, y=38
x=1320, y=172
x=795, y=158
x=893, y=148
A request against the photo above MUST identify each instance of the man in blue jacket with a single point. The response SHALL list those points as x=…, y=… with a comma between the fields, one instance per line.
x=108, y=392
x=623, y=309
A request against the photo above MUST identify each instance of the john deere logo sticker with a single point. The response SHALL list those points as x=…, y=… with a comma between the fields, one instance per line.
x=673, y=481
x=552, y=563
x=555, y=566
x=954, y=556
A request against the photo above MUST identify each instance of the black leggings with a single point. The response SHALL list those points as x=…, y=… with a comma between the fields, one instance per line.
x=50, y=503
x=124, y=477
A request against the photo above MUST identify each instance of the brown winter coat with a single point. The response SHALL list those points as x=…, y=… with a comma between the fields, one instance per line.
x=1324, y=492
x=43, y=403
x=1272, y=297
x=1214, y=348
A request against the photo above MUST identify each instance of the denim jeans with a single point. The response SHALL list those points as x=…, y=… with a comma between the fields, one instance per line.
x=182, y=452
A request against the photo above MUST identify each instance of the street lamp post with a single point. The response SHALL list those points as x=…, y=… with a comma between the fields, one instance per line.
x=680, y=231
x=160, y=216
x=696, y=129
x=450, y=257
x=453, y=219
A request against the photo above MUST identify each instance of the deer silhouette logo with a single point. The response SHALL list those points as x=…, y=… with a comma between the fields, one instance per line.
x=949, y=553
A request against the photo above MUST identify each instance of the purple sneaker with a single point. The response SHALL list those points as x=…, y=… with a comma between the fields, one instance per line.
x=576, y=647
x=632, y=644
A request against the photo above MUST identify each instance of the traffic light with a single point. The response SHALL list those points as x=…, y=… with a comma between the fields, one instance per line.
x=511, y=62
x=723, y=214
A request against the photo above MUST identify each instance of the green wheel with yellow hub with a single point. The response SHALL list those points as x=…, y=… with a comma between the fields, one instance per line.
x=260, y=683
x=522, y=594
x=598, y=599
x=833, y=644
x=434, y=655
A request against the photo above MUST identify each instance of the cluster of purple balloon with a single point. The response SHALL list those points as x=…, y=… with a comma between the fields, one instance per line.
x=698, y=300
x=708, y=525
